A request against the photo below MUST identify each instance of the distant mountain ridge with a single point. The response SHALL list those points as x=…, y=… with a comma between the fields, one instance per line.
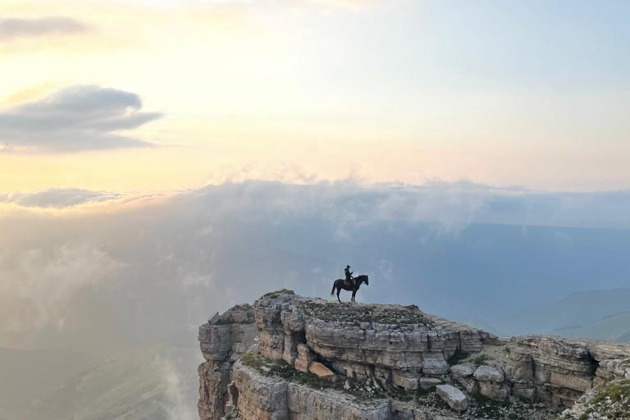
x=611, y=327
x=568, y=315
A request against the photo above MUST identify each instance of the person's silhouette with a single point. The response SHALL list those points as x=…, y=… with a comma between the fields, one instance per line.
x=349, y=277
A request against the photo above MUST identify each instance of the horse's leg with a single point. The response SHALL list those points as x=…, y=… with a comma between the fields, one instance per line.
x=354, y=292
x=338, y=291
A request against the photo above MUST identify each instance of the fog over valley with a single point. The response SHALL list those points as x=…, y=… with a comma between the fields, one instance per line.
x=125, y=281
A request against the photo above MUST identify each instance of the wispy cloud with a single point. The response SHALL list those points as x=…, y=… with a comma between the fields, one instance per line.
x=15, y=28
x=58, y=197
x=75, y=118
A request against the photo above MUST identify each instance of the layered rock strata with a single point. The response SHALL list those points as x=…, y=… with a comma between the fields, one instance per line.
x=223, y=340
x=316, y=359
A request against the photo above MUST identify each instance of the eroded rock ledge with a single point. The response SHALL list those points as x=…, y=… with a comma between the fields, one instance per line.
x=290, y=357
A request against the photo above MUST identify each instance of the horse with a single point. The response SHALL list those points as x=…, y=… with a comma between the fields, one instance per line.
x=346, y=285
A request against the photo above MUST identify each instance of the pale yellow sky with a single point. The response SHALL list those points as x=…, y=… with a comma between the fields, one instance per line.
x=305, y=90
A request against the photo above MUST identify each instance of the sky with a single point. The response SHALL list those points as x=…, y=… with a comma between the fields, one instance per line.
x=144, y=96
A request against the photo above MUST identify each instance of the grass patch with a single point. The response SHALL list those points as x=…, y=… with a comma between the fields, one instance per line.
x=456, y=358
x=617, y=392
x=252, y=359
x=277, y=293
x=353, y=313
x=488, y=407
x=481, y=360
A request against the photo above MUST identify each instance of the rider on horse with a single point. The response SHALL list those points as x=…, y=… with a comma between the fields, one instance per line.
x=349, y=277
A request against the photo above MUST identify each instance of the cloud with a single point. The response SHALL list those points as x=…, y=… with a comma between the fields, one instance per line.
x=177, y=259
x=58, y=197
x=75, y=118
x=38, y=284
x=14, y=28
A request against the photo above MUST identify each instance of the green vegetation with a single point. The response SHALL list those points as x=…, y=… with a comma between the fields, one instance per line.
x=252, y=359
x=616, y=392
x=273, y=295
x=489, y=408
x=481, y=360
x=348, y=312
x=612, y=402
x=456, y=358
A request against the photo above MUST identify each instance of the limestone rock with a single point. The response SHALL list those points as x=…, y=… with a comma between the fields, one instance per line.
x=434, y=364
x=222, y=340
x=489, y=374
x=470, y=385
x=453, y=397
x=464, y=370
x=304, y=359
x=381, y=351
x=494, y=391
x=405, y=379
x=321, y=371
x=429, y=383
x=260, y=397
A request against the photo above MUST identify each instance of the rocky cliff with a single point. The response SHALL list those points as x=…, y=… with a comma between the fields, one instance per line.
x=290, y=357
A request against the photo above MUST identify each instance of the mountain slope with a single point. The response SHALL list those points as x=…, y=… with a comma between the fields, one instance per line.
x=612, y=327
x=152, y=383
x=576, y=310
x=26, y=374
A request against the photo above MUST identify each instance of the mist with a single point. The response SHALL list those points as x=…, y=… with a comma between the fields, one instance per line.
x=109, y=277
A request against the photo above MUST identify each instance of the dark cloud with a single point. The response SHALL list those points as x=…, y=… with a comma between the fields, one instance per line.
x=58, y=197
x=75, y=118
x=13, y=28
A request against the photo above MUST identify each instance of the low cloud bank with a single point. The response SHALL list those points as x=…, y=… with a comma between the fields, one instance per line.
x=151, y=272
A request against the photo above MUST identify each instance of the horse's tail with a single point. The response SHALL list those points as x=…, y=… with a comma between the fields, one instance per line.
x=332, y=292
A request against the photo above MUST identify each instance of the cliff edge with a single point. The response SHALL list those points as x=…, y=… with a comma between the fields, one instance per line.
x=291, y=357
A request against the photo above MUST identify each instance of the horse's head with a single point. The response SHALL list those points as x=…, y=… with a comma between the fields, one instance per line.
x=366, y=280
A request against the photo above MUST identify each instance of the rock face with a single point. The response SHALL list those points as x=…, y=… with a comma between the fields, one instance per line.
x=558, y=371
x=316, y=359
x=223, y=340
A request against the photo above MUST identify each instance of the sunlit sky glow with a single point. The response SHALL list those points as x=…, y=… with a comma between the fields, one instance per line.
x=530, y=93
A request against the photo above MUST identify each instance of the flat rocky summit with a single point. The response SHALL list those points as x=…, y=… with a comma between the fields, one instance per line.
x=291, y=357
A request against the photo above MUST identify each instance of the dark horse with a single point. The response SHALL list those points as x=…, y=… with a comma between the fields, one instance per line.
x=346, y=285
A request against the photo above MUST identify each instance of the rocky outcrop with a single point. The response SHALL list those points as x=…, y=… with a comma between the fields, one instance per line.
x=223, y=340
x=273, y=398
x=362, y=341
x=559, y=371
x=609, y=401
x=315, y=359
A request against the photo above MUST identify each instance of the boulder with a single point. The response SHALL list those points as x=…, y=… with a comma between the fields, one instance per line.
x=452, y=396
x=404, y=379
x=321, y=371
x=463, y=370
x=489, y=374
